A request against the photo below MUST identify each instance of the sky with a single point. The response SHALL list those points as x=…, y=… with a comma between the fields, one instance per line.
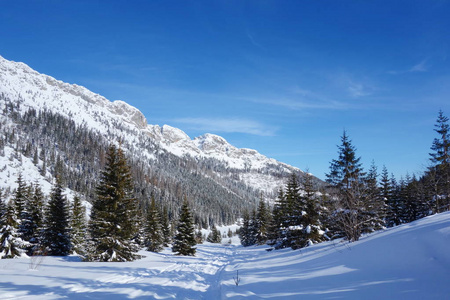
x=283, y=77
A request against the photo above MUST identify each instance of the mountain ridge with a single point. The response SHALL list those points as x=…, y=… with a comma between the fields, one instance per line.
x=238, y=174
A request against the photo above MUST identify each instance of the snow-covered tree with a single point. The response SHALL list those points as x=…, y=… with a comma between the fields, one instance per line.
x=312, y=231
x=153, y=236
x=184, y=240
x=347, y=178
x=113, y=222
x=440, y=159
x=214, y=236
x=36, y=213
x=375, y=209
x=56, y=233
x=78, y=226
x=263, y=218
x=247, y=232
x=11, y=244
x=165, y=227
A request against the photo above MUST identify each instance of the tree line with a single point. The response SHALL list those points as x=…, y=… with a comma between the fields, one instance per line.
x=353, y=202
x=116, y=230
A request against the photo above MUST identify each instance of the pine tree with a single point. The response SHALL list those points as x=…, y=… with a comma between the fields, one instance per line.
x=440, y=159
x=3, y=210
x=294, y=215
x=263, y=221
x=154, y=238
x=11, y=244
x=56, y=233
x=312, y=231
x=113, y=221
x=20, y=200
x=394, y=203
x=165, y=227
x=184, y=240
x=36, y=211
x=387, y=195
x=246, y=232
x=78, y=226
x=347, y=178
x=214, y=236
x=276, y=230
x=375, y=205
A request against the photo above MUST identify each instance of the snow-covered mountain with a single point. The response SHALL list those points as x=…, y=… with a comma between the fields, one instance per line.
x=234, y=169
x=95, y=111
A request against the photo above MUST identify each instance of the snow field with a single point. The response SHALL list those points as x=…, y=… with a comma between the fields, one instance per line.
x=411, y=261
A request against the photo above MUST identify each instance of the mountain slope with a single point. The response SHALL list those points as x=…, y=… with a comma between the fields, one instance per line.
x=43, y=115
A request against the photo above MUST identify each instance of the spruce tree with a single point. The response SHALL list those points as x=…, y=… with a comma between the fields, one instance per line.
x=245, y=232
x=263, y=221
x=312, y=231
x=347, y=179
x=36, y=212
x=276, y=229
x=375, y=204
x=3, y=210
x=78, y=226
x=184, y=240
x=214, y=236
x=11, y=244
x=56, y=233
x=113, y=223
x=296, y=207
x=440, y=159
x=20, y=199
x=165, y=227
x=153, y=236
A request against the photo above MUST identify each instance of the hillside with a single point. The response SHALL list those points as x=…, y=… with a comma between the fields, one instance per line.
x=49, y=126
x=410, y=261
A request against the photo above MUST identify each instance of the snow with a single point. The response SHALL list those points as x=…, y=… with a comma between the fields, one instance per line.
x=411, y=261
x=98, y=113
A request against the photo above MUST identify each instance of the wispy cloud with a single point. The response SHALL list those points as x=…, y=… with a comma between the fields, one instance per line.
x=253, y=41
x=357, y=89
x=228, y=125
x=422, y=66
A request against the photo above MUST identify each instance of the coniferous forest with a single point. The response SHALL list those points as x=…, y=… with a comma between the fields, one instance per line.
x=134, y=207
x=354, y=200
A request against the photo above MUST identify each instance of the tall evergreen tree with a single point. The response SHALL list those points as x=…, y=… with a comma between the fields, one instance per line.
x=276, y=229
x=78, y=226
x=214, y=236
x=347, y=178
x=246, y=232
x=36, y=212
x=440, y=159
x=165, y=227
x=11, y=244
x=112, y=225
x=263, y=220
x=375, y=204
x=312, y=231
x=154, y=238
x=20, y=198
x=184, y=240
x=56, y=233
x=3, y=210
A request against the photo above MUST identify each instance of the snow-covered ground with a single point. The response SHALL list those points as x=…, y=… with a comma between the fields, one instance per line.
x=411, y=261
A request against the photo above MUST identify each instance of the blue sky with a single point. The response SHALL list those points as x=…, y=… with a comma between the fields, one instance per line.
x=282, y=77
